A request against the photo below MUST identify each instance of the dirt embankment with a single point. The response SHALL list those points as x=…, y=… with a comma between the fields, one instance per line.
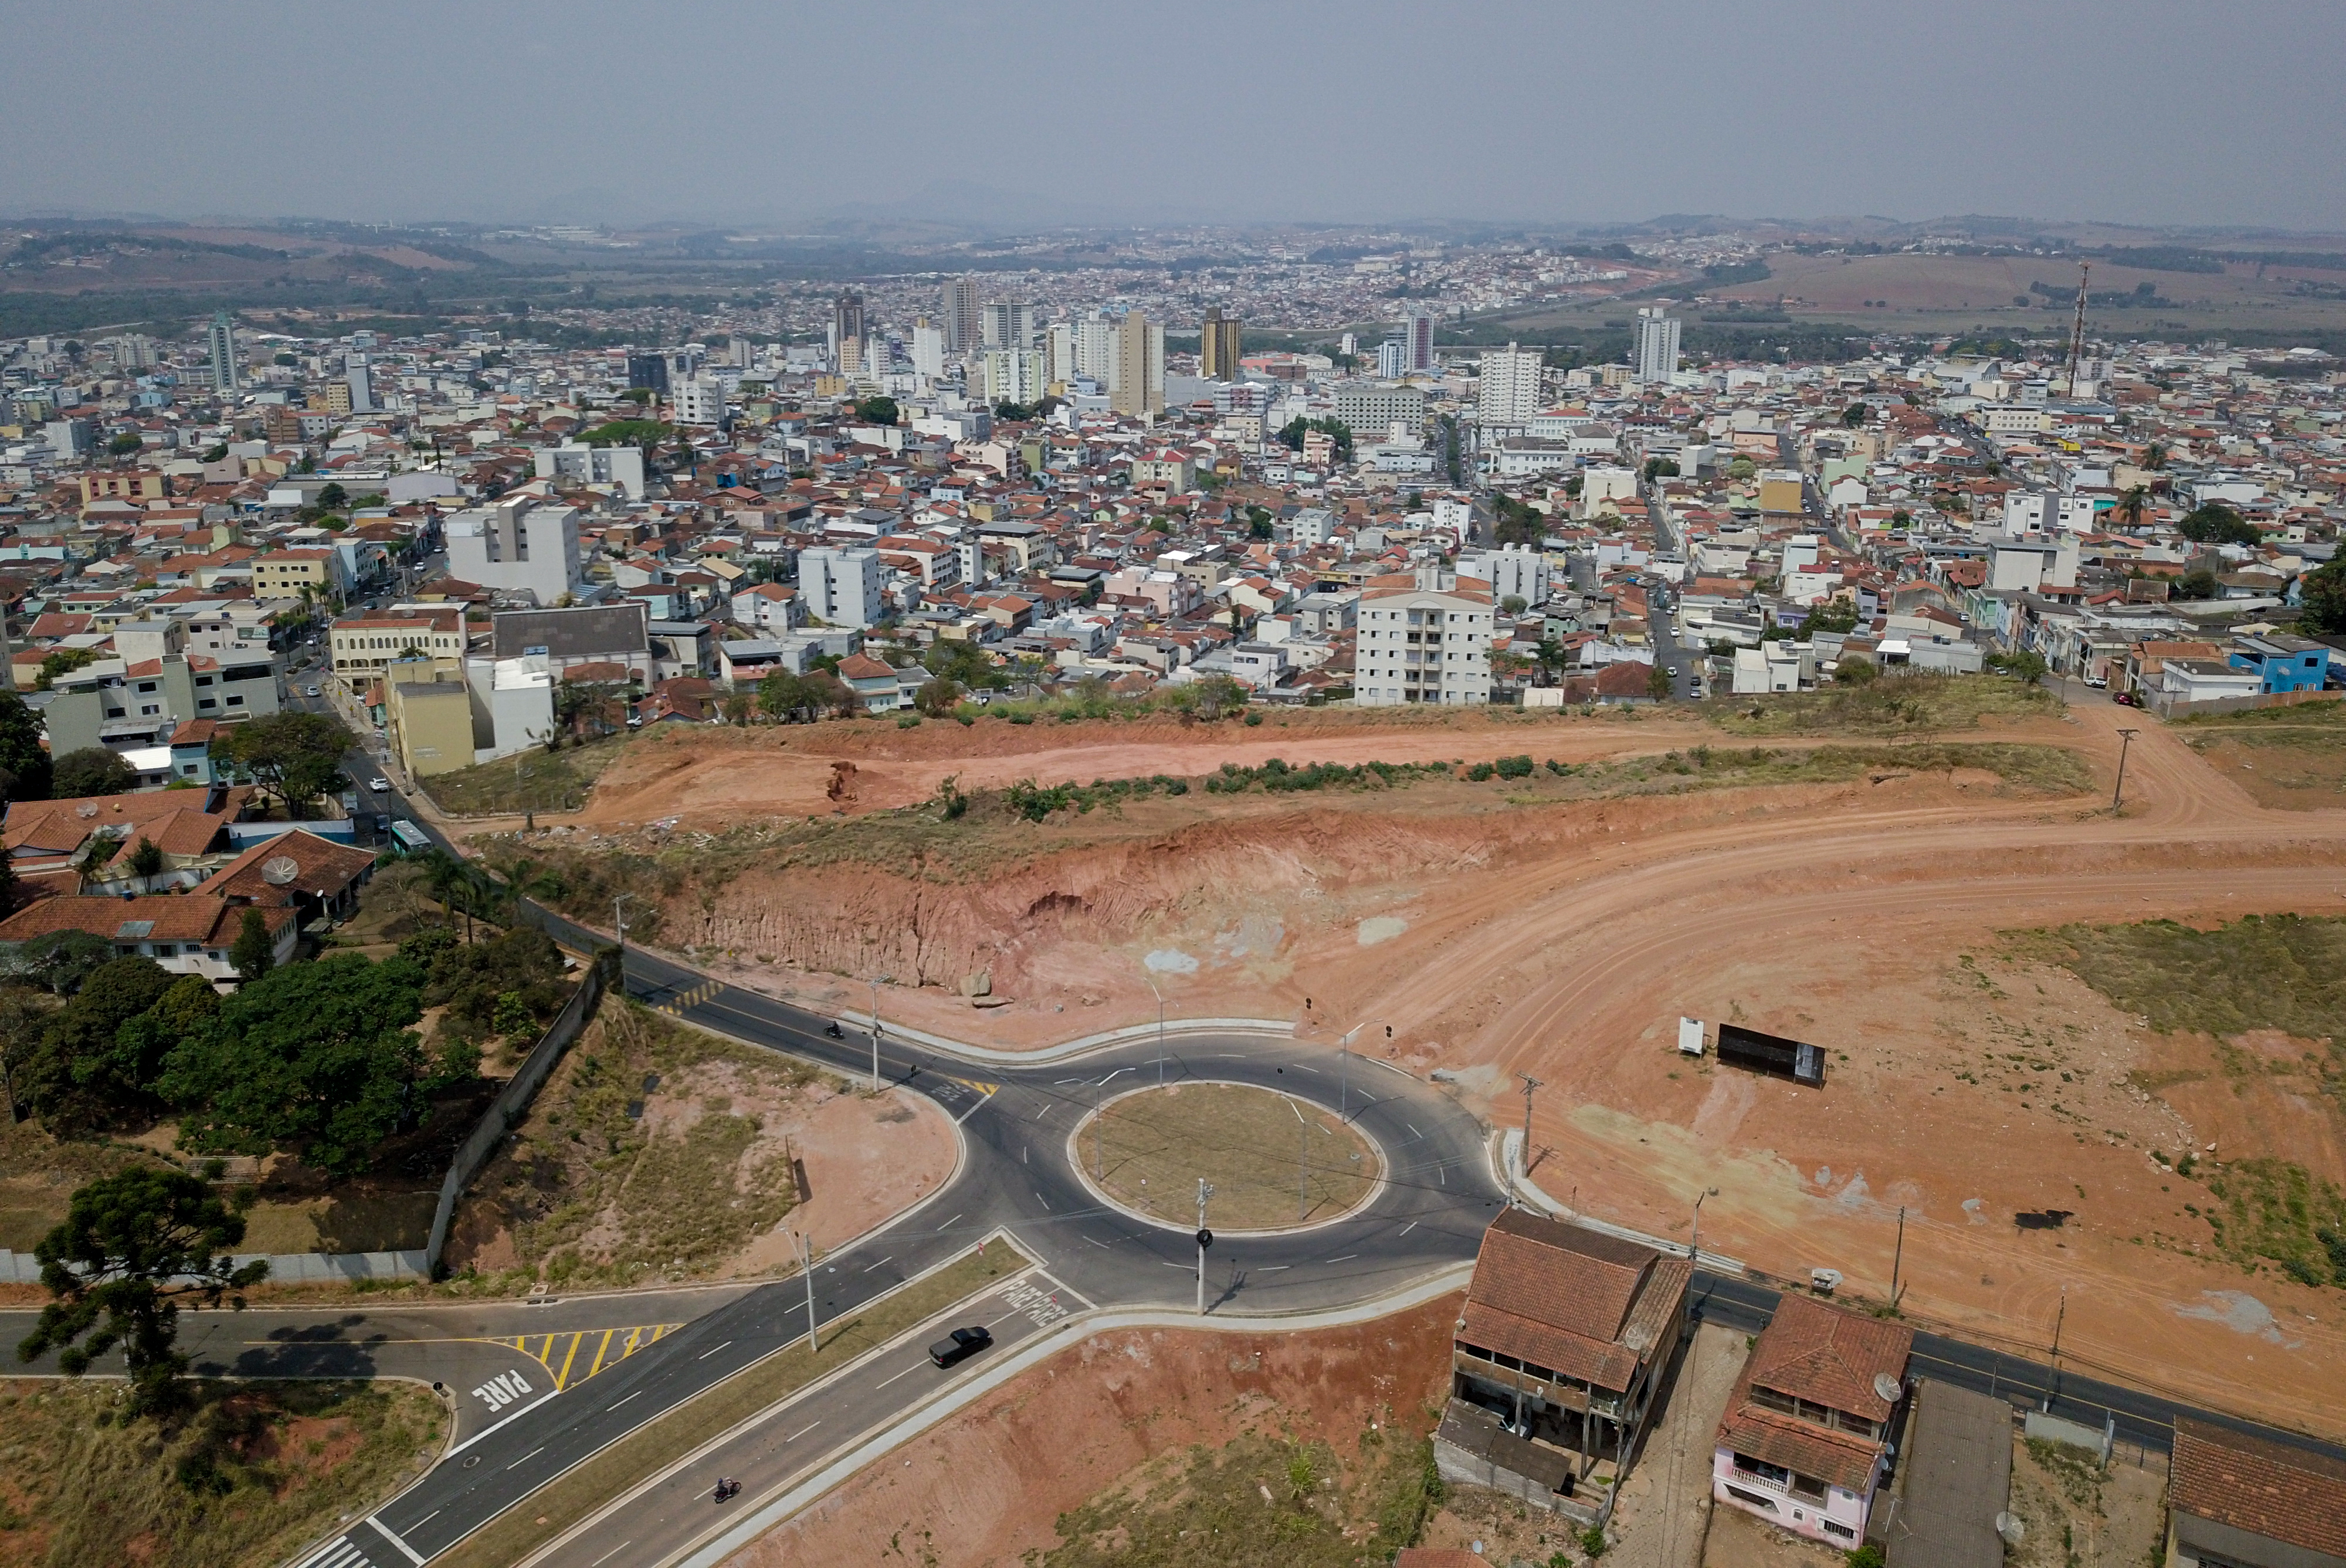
x=984, y=1487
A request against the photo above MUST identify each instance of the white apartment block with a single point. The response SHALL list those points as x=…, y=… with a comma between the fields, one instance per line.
x=1016, y=375
x=518, y=548
x=1657, y=350
x=1424, y=637
x=1511, y=385
x=1513, y=571
x=697, y=400
x=843, y=586
x=621, y=467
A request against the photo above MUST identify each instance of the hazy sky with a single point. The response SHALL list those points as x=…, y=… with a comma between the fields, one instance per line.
x=2145, y=111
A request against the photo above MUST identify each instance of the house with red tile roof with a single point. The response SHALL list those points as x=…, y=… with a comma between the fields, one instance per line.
x=2233, y=1499
x=1806, y=1436
x=1566, y=1334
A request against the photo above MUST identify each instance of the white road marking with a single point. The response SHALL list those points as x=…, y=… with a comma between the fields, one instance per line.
x=1274, y=1267
x=803, y=1432
x=607, y=1556
x=1413, y=1134
x=1041, y=1199
x=948, y=1224
x=1346, y=1258
x=1410, y=1226
x=409, y=1553
x=972, y=1110
x=905, y=1373
x=705, y=1354
x=890, y=1258
x=1112, y=1077
x=527, y=1457
x=609, y=1408
x=1095, y=1241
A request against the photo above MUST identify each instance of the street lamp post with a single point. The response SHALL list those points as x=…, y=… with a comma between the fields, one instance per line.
x=875, y=984
x=1694, y=1242
x=619, y=922
x=2117, y=792
x=1161, y=1030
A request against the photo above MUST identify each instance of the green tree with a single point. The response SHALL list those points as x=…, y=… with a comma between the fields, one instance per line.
x=1661, y=468
x=1657, y=683
x=333, y=497
x=2322, y=593
x=964, y=662
x=2023, y=664
x=318, y=1056
x=126, y=443
x=1259, y=522
x=133, y=1246
x=2217, y=523
x=1854, y=669
x=61, y=661
x=85, y=1071
x=937, y=697
x=2199, y=583
x=2130, y=504
x=255, y=952
x=879, y=411
x=146, y=858
x=91, y=771
x=59, y=962
x=1854, y=416
x=294, y=756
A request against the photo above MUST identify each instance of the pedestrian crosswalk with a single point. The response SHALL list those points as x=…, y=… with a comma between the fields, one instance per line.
x=576, y=1355
x=366, y=1546
x=675, y=1006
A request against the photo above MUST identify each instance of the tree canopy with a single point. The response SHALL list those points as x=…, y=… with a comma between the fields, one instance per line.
x=2217, y=523
x=964, y=662
x=133, y=1246
x=879, y=411
x=92, y=770
x=2324, y=611
x=24, y=767
x=296, y=757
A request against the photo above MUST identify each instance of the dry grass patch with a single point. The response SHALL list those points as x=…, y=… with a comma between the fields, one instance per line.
x=1274, y=1160
x=257, y=1470
x=1899, y=705
x=534, y=780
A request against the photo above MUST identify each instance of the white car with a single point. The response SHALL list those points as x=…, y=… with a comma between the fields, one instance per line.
x=380, y=785
x=308, y=691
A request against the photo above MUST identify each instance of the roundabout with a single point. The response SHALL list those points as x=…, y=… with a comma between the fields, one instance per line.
x=1275, y=1161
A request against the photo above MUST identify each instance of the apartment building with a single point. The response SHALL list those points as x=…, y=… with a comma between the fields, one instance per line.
x=523, y=547
x=620, y=467
x=1423, y=638
x=134, y=701
x=286, y=574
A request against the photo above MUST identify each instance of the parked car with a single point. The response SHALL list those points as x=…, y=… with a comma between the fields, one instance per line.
x=961, y=1342
x=2125, y=699
x=2098, y=682
x=378, y=784
x=308, y=691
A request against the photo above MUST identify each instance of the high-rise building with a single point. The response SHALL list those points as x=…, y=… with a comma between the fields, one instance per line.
x=1095, y=348
x=221, y=339
x=1139, y=386
x=1416, y=334
x=1392, y=358
x=134, y=351
x=700, y=400
x=1426, y=637
x=1656, y=356
x=1511, y=385
x=961, y=315
x=1009, y=325
x=928, y=350
x=1218, y=346
x=647, y=372
x=1059, y=353
x=359, y=377
x=1014, y=375
x=847, y=317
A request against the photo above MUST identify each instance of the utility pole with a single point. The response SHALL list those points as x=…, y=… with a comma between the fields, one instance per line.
x=1303, y=1166
x=1161, y=1030
x=619, y=922
x=2077, y=329
x=875, y=986
x=1205, y=1240
x=2117, y=792
x=1343, y=1065
x=806, y=1265
x=2053, y=1385
x=1694, y=1242
x=1898, y=1257
x=1530, y=1083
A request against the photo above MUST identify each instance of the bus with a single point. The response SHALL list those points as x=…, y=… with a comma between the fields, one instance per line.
x=410, y=838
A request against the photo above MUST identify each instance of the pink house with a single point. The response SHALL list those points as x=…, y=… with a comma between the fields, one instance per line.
x=1806, y=1437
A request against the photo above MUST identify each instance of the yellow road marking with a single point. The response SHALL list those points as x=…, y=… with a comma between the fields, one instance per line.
x=542, y=1349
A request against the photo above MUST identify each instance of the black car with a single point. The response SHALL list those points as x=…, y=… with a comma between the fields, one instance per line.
x=959, y=1343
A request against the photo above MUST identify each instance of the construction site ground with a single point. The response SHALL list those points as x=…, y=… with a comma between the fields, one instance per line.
x=1500, y=928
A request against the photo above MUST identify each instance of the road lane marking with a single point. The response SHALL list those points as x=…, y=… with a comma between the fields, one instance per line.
x=1041, y=1199
x=1112, y=1077
x=541, y=1349
x=1413, y=1134
x=803, y=1431
x=890, y=1258
x=948, y=1224
x=601, y=1350
x=527, y=1457
x=705, y=1354
x=1346, y=1258
x=568, y=1357
x=1271, y=1267
x=409, y=1553
x=905, y=1373
x=609, y=1408
x=607, y=1556
x=1413, y=1225
x=1095, y=1241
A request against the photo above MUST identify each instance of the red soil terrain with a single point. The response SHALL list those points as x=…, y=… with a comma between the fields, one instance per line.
x=985, y=1486
x=1565, y=939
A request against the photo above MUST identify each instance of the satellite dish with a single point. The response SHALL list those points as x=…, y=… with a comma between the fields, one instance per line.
x=1887, y=1387
x=280, y=872
x=87, y=810
x=2008, y=1526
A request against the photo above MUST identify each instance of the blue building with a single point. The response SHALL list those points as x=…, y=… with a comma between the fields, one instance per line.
x=2283, y=662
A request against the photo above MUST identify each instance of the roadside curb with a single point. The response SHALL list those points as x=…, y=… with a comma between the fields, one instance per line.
x=1507, y=1165
x=1071, y=1331
x=1067, y=1048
